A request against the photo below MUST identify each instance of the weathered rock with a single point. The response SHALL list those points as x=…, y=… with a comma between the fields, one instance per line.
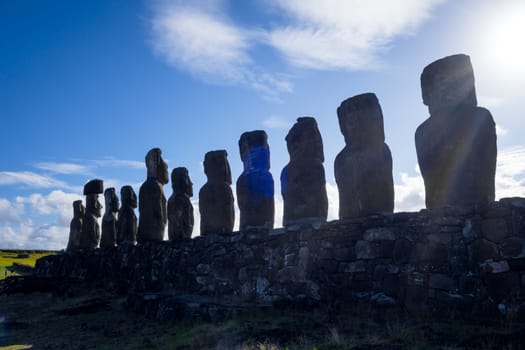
x=109, y=220
x=180, y=209
x=90, y=237
x=152, y=202
x=363, y=169
x=303, y=184
x=75, y=227
x=456, y=146
x=216, y=197
x=127, y=220
x=495, y=230
x=255, y=186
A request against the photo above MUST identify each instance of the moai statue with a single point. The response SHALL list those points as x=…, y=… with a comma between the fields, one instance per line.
x=109, y=220
x=255, y=186
x=180, y=210
x=90, y=237
x=127, y=220
x=152, y=202
x=216, y=197
x=456, y=145
x=75, y=227
x=303, y=184
x=363, y=169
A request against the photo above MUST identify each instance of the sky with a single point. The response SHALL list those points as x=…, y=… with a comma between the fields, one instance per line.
x=88, y=87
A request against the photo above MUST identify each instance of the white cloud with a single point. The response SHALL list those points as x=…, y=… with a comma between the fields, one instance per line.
x=275, y=122
x=410, y=194
x=197, y=38
x=501, y=130
x=30, y=179
x=510, y=172
x=10, y=212
x=344, y=34
x=63, y=168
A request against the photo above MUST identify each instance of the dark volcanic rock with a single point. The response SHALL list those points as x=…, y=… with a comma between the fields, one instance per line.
x=456, y=146
x=75, y=227
x=363, y=169
x=216, y=197
x=90, y=237
x=109, y=220
x=255, y=186
x=152, y=202
x=303, y=184
x=127, y=220
x=180, y=209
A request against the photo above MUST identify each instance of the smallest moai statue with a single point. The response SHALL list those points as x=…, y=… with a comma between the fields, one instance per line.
x=216, y=196
x=75, y=227
x=109, y=220
x=90, y=237
x=180, y=210
x=363, y=169
x=127, y=220
x=255, y=186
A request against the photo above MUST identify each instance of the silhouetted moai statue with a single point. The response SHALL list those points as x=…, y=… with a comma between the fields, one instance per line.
x=152, y=202
x=255, y=186
x=303, y=183
x=75, y=227
x=90, y=237
x=180, y=210
x=456, y=146
x=216, y=197
x=127, y=220
x=109, y=220
x=363, y=169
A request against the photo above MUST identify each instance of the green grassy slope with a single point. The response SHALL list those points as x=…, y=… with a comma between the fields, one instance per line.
x=8, y=257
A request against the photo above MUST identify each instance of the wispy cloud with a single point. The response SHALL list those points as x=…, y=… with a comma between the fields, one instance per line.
x=118, y=163
x=275, y=122
x=63, y=168
x=510, y=172
x=199, y=38
x=344, y=34
x=490, y=101
x=30, y=179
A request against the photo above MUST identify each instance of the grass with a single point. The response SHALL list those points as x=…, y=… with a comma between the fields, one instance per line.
x=8, y=257
x=47, y=321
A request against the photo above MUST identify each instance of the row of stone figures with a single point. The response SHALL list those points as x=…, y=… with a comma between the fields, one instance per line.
x=456, y=150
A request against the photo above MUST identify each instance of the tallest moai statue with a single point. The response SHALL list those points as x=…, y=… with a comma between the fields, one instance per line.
x=456, y=145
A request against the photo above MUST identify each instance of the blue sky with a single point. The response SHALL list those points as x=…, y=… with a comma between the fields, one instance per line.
x=88, y=87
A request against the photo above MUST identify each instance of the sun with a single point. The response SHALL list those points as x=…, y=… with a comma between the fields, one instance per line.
x=505, y=39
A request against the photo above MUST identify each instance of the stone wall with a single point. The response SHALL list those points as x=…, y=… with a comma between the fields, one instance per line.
x=471, y=259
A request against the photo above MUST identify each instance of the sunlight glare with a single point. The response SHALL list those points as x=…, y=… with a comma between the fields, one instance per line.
x=504, y=40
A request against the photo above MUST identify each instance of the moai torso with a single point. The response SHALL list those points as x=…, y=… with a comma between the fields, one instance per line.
x=180, y=209
x=216, y=197
x=363, y=169
x=75, y=227
x=303, y=184
x=90, y=237
x=152, y=202
x=109, y=220
x=456, y=145
x=127, y=220
x=255, y=186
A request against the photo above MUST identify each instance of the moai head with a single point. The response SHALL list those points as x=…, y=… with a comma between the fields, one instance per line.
x=361, y=121
x=111, y=200
x=128, y=196
x=91, y=190
x=304, y=140
x=180, y=182
x=78, y=209
x=157, y=167
x=448, y=83
x=254, y=150
x=216, y=166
